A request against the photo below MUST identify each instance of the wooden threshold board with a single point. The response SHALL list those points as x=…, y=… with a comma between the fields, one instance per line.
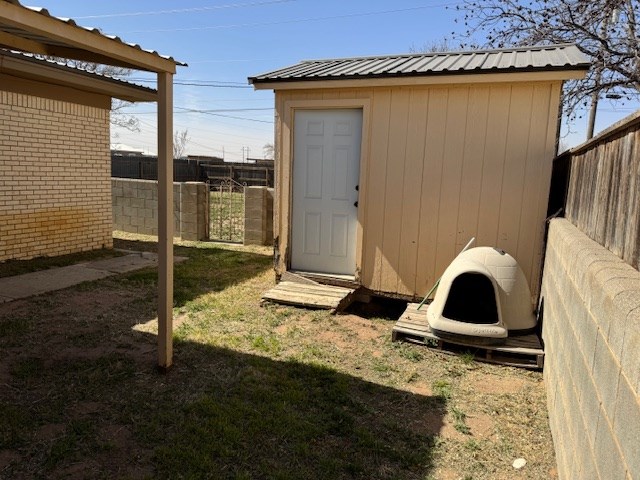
x=318, y=296
x=522, y=351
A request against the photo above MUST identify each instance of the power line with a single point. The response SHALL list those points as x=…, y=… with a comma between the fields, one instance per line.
x=211, y=85
x=198, y=83
x=207, y=112
x=284, y=22
x=223, y=115
x=195, y=80
x=211, y=131
x=185, y=10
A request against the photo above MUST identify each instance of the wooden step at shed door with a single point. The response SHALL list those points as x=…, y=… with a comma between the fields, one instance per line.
x=326, y=297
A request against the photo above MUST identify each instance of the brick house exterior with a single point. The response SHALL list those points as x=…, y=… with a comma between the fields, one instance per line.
x=55, y=168
x=55, y=193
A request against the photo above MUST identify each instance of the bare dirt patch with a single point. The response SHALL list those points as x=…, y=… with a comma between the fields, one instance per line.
x=335, y=339
x=480, y=425
x=497, y=385
x=360, y=328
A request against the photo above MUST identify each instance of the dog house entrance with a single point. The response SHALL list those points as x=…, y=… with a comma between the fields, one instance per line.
x=472, y=299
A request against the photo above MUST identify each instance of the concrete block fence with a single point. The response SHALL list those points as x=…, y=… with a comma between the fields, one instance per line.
x=591, y=332
x=135, y=208
x=258, y=216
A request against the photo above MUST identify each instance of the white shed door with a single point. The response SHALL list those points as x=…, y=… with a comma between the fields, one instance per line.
x=326, y=168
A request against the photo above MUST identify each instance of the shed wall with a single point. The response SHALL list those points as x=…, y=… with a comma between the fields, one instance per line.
x=440, y=164
x=55, y=185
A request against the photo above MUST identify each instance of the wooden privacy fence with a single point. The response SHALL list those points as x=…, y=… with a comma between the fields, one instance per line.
x=200, y=169
x=603, y=191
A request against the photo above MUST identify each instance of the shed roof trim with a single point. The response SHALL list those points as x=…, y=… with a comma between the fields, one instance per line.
x=538, y=58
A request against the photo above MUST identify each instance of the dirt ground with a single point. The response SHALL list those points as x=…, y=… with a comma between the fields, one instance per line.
x=80, y=397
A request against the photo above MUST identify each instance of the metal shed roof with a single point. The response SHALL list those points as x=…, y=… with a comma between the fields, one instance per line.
x=524, y=59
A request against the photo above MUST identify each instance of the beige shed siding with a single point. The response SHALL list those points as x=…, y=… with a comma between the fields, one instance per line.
x=55, y=185
x=444, y=164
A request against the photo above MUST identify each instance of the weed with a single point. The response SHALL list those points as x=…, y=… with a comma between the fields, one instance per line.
x=472, y=445
x=412, y=377
x=459, y=420
x=381, y=366
x=410, y=352
x=267, y=344
x=442, y=388
x=467, y=357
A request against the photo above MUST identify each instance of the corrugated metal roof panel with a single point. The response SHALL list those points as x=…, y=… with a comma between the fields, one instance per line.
x=67, y=66
x=44, y=12
x=539, y=58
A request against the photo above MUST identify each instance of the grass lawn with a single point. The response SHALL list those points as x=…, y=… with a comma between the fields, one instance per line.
x=256, y=392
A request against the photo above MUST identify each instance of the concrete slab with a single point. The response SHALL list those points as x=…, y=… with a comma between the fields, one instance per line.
x=21, y=286
x=5, y=299
x=126, y=263
x=36, y=283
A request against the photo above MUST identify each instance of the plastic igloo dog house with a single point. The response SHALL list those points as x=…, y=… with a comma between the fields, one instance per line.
x=483, y=297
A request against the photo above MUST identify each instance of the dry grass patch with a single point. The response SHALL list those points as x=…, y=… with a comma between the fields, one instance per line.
x=256, y=392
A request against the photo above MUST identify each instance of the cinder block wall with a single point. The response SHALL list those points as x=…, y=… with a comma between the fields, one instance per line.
x=591, y=332
x=258, y=216
x=135, y=208
x=55, y=196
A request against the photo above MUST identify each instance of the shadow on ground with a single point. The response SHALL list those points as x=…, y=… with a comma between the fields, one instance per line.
x=81, y=398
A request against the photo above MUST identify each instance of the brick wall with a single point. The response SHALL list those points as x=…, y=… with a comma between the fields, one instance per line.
x=591, y=332
x=55, y=196
x=135, y=208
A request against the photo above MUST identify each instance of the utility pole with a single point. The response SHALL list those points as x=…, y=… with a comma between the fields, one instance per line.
x=247, y=150
x=613, y=15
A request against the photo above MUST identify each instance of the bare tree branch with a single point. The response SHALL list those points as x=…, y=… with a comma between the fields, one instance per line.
x=604, y=30
x=118, y=117
x=180, y=141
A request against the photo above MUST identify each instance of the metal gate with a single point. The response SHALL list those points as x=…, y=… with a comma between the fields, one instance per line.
x=227, y=210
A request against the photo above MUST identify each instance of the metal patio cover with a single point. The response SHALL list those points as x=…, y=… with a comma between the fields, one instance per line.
x=35, y=30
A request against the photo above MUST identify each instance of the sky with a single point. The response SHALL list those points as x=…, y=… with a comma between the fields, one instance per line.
x=226, y=41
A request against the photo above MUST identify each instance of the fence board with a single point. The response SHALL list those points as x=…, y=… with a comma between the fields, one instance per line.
x=195, y=170
x=603, y=193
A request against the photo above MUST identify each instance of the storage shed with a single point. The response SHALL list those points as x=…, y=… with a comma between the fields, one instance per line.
x=387, y=166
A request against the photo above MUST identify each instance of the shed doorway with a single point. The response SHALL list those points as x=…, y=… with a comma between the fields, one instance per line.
x=326, y=170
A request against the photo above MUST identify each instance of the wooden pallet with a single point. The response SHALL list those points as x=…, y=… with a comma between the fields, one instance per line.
x=325, y=297
x=523, y=351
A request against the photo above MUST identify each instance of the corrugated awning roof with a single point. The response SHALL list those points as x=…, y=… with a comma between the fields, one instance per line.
x=35, y=30
x=525, y=59
x=27, y=65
